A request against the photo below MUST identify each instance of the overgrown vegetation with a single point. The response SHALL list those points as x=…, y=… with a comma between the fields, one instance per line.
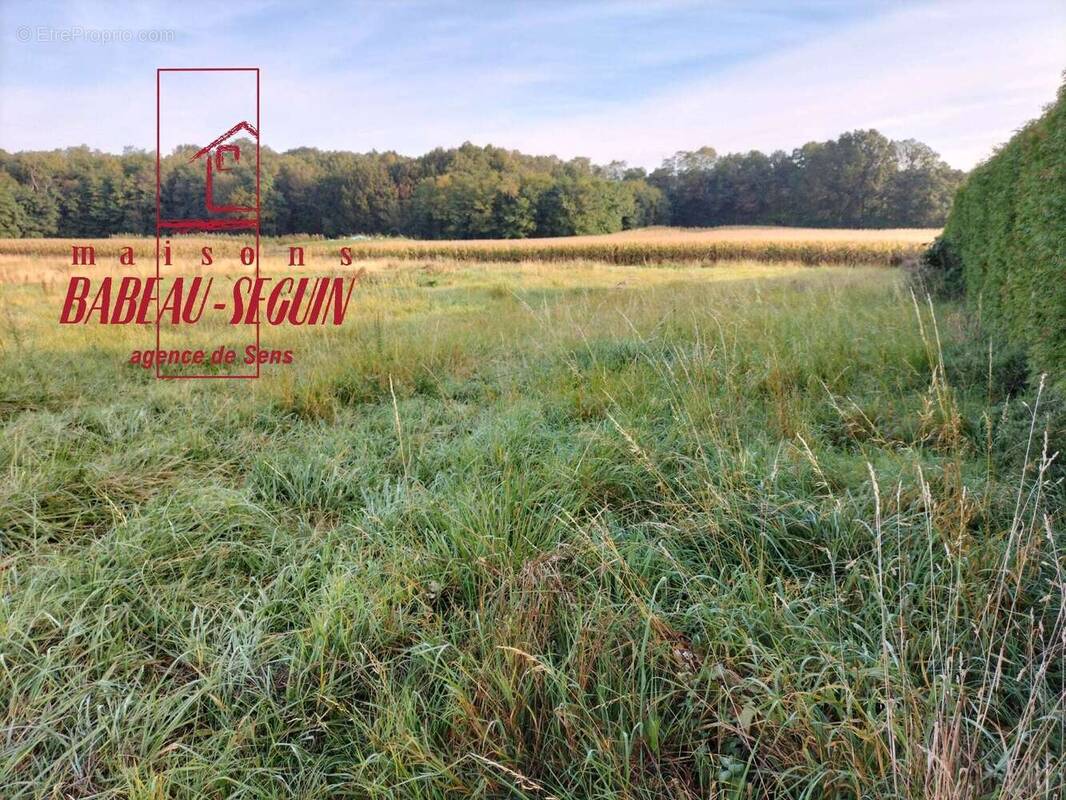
x=861, y=179
x=1005, y=241
x=537, y=530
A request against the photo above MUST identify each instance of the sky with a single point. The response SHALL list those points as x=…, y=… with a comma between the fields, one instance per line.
x=631, y=80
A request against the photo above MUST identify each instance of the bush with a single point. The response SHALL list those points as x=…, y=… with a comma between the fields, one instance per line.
x=939, y=271
x=1007, y=230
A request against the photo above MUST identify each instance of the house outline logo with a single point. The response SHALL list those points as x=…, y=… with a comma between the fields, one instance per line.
x=219, y=157
x=216, y=161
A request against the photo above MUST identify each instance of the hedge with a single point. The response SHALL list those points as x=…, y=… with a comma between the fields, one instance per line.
x=1007, y=235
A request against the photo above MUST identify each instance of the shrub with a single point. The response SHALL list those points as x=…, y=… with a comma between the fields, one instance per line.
x=939, y=271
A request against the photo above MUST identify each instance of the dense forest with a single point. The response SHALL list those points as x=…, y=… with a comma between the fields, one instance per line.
x=861, y=179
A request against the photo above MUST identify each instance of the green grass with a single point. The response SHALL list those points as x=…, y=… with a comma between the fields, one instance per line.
x=538, y=531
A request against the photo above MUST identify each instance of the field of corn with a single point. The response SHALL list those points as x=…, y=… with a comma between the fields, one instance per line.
x=536, y=528
x=645, y=246
x=658, y=245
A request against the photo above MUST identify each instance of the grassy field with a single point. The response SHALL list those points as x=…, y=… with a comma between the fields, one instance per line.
x=529, y=529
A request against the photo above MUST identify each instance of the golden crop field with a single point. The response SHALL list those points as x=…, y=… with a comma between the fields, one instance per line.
x=746, y=233
x=643, y=246
x=652, y=245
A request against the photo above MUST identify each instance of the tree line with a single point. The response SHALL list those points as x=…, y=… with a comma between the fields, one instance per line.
x=860, y=179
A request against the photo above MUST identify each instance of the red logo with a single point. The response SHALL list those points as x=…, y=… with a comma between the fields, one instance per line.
x=229, y=203
x=231, y=151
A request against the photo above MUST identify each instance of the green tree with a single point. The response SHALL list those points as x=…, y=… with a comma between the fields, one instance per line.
x=919, y=194
x=11, y=219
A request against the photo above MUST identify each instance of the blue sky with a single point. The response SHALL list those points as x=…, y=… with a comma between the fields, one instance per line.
x=608, y=79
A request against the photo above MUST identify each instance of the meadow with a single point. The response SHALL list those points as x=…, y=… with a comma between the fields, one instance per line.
x=538, y=523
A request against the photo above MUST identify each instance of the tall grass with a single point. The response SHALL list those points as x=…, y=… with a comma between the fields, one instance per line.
x=556, y=531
